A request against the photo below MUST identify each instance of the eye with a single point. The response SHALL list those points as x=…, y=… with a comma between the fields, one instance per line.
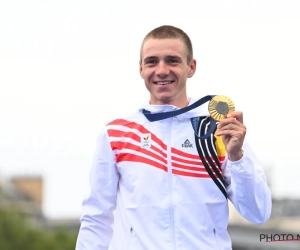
x=172, y=61
x=151, y=62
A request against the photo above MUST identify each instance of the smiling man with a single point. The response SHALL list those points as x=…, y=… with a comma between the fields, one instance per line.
x=154, y=184
x=165, y=66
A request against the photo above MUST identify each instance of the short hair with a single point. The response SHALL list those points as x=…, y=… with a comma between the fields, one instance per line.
x=168, y=31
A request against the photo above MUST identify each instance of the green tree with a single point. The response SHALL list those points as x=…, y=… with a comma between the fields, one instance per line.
x=16, y=233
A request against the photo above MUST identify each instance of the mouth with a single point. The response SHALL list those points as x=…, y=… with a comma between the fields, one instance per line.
x=163, y=82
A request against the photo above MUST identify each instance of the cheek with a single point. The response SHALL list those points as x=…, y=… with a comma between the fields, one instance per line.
x=146, y=75
x=142, y=73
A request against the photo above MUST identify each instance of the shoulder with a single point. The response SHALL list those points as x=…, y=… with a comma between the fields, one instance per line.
x=120, y=126
x=131, y=117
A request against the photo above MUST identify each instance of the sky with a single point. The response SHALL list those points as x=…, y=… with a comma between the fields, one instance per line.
x=69, y=67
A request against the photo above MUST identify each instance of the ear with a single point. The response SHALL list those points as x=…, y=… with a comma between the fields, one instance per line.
x=141, y=69
x=192, y=67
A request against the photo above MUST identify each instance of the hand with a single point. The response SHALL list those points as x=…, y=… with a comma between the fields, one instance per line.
x=233, y=133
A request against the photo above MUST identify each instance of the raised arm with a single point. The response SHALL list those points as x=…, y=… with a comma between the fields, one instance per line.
x=247, y=185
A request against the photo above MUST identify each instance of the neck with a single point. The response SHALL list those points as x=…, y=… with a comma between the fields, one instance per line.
x=181, y=104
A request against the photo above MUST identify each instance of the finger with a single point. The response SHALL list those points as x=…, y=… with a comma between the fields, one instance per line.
x=232, y=126
x=235, y=127
x=230, y=132
x=237, y=115
x=230, y=121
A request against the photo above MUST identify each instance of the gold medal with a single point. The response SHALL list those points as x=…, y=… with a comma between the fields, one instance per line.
x=219, y=106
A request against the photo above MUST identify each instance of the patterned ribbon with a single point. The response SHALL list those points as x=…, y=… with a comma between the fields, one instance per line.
x=152, y=117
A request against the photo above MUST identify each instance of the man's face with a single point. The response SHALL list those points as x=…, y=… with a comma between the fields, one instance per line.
x=165, y=70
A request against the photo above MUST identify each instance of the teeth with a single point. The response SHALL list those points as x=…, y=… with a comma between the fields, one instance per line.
x=162, y=83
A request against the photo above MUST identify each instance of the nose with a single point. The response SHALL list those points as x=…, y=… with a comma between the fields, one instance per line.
x=162, y=69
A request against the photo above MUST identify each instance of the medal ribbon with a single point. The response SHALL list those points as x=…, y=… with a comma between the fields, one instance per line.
x=152, y=117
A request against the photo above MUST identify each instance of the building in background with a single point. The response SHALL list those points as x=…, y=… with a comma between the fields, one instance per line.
x=27, y=193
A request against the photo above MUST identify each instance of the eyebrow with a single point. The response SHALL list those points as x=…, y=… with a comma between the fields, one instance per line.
x=174, y=58
x=167, y=57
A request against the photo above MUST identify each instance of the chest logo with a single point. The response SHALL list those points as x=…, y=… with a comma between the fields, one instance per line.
x=146, y=141
x=187, y=144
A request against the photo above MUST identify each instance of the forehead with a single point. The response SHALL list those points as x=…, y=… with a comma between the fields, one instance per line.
x=164, y=47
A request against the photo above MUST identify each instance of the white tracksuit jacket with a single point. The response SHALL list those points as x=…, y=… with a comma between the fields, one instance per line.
x=151, y=191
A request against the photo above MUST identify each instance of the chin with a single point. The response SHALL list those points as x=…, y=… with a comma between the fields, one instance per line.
x=165, y=100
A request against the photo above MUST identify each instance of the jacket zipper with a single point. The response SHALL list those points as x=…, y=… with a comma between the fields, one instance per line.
x=170, y=185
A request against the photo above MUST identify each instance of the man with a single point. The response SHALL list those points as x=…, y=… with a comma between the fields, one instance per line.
x=155, y=185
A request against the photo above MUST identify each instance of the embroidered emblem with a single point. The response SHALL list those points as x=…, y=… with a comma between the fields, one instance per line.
x=146, y=141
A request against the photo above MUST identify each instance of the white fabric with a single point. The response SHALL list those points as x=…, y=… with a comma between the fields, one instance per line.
x=138, y=206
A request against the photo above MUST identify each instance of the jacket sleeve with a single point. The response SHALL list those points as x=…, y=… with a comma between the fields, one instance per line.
x=96, y=223
x=247, y=187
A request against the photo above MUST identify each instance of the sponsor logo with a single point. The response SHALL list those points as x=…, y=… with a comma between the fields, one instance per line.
x=187, y=144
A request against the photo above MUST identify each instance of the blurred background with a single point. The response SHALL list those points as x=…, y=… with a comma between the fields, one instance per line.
x=69, y=67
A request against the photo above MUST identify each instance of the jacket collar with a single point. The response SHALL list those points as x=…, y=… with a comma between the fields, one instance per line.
x=200, y=111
